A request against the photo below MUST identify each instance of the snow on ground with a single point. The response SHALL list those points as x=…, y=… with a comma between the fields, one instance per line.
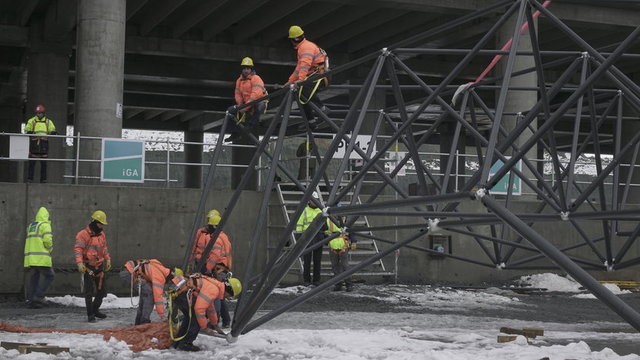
x=465, y=334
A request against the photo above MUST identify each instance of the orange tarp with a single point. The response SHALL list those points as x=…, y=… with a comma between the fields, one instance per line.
x=154, y=335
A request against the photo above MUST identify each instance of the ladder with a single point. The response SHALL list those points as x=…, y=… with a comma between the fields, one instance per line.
x=288, y=197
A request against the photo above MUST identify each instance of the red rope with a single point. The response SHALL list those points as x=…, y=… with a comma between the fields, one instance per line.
x=507, y=46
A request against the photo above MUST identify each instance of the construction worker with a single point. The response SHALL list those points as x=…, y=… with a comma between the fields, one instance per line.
x=93, y=261
x=312, y=60
x=220, y=254
x=207, y=292
x=37, y=258
x=219, y=259
x=41, y=126
x=338, y=254
x=153, y=278
x=249, y=87
x=306, y=218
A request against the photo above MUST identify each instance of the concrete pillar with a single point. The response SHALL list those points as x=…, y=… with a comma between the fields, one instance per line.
x=193, y=155
x=99, y=75
x=10, y=119
x=47, y=84
x=518, y=100
x=629, y=129
x=242, y=156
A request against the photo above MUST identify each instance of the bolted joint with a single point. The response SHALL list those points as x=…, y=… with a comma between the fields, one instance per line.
x=564, y=215
x=585, y=55
x=480, y=193
x=385, y=51
x=433, y=226
x=501, y=266
x=231, y=339
x=381, y=111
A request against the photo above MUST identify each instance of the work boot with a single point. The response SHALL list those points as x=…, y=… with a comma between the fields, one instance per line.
x=188, y=347
x=349, y=287
x=99, y=314
x=91, y=318
x=337, y=287
x=34, y=304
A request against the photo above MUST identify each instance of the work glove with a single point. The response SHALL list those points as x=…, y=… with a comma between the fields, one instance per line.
x=82, y=268
x=107, y=265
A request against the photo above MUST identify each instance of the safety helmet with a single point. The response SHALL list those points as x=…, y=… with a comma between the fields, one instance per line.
x=213, y=217
x=39, y=108
x=247, y=62
x=235, y=285
x=100, y=217
x=177, y=271
x=315, y=195
x=295, y=31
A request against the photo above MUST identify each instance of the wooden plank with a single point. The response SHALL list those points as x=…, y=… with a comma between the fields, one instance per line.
x=506, y=338
x=527, y=332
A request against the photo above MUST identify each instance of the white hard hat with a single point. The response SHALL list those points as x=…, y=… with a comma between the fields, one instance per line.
x=315, y=195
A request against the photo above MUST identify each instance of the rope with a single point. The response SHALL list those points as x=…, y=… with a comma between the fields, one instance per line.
x=496, y=58
x=313, y=92
x=170, y=316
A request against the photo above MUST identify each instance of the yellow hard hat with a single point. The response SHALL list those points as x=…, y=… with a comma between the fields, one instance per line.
x=177, y=271
x=295, y=31
x=236, y=286
x=246, y=62
x=99, y=216
x=213, y=217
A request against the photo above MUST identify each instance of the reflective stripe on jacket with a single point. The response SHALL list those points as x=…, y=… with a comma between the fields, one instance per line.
x=220, y=253
x=306, y=218
x=310, y=57
x=39, y=126
x=249, y=88
x=211, y=290
x=156, y=274
x=39, y=242
x=91, y=248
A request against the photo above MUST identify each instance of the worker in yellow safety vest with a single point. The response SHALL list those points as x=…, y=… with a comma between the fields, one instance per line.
x=37, y=258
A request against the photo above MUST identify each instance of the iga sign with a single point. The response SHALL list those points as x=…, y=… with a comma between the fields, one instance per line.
x=122, y=161
x=362, y=141
x=502, y=186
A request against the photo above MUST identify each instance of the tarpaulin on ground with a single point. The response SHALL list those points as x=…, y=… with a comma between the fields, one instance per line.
x=154, y=335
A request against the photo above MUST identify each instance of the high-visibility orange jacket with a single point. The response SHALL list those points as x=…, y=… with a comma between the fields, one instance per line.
x=249, y=88
x=210, y=290
x=220, y=252
x=310, y=57
x=155, y=274
x=90, y=248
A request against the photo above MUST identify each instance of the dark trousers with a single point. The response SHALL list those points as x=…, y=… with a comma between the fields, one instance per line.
x=32, y=170
x=251, y=118
x=307, y=90
x=316, y=255
x=225, y=316
x=189, y=325
x=95, y=289
x=40, y=278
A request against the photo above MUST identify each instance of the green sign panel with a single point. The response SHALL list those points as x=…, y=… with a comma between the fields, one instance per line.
x=122, y=161
x=502, y=186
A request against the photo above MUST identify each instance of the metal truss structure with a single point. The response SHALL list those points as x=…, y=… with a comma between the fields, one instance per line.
x=598, y=98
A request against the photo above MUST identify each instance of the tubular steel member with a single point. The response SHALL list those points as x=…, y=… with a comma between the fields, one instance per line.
x=580, y=275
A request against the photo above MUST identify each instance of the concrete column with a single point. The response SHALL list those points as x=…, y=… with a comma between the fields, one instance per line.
x=242, y=156
x=629, y=129
x=518, y=100
x=47, y=84
x=193, y=155
x=10, y=119
x=99, y=74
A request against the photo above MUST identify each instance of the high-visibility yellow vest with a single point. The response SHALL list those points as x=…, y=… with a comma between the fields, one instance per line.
x=39, y=242
x=307, y=218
